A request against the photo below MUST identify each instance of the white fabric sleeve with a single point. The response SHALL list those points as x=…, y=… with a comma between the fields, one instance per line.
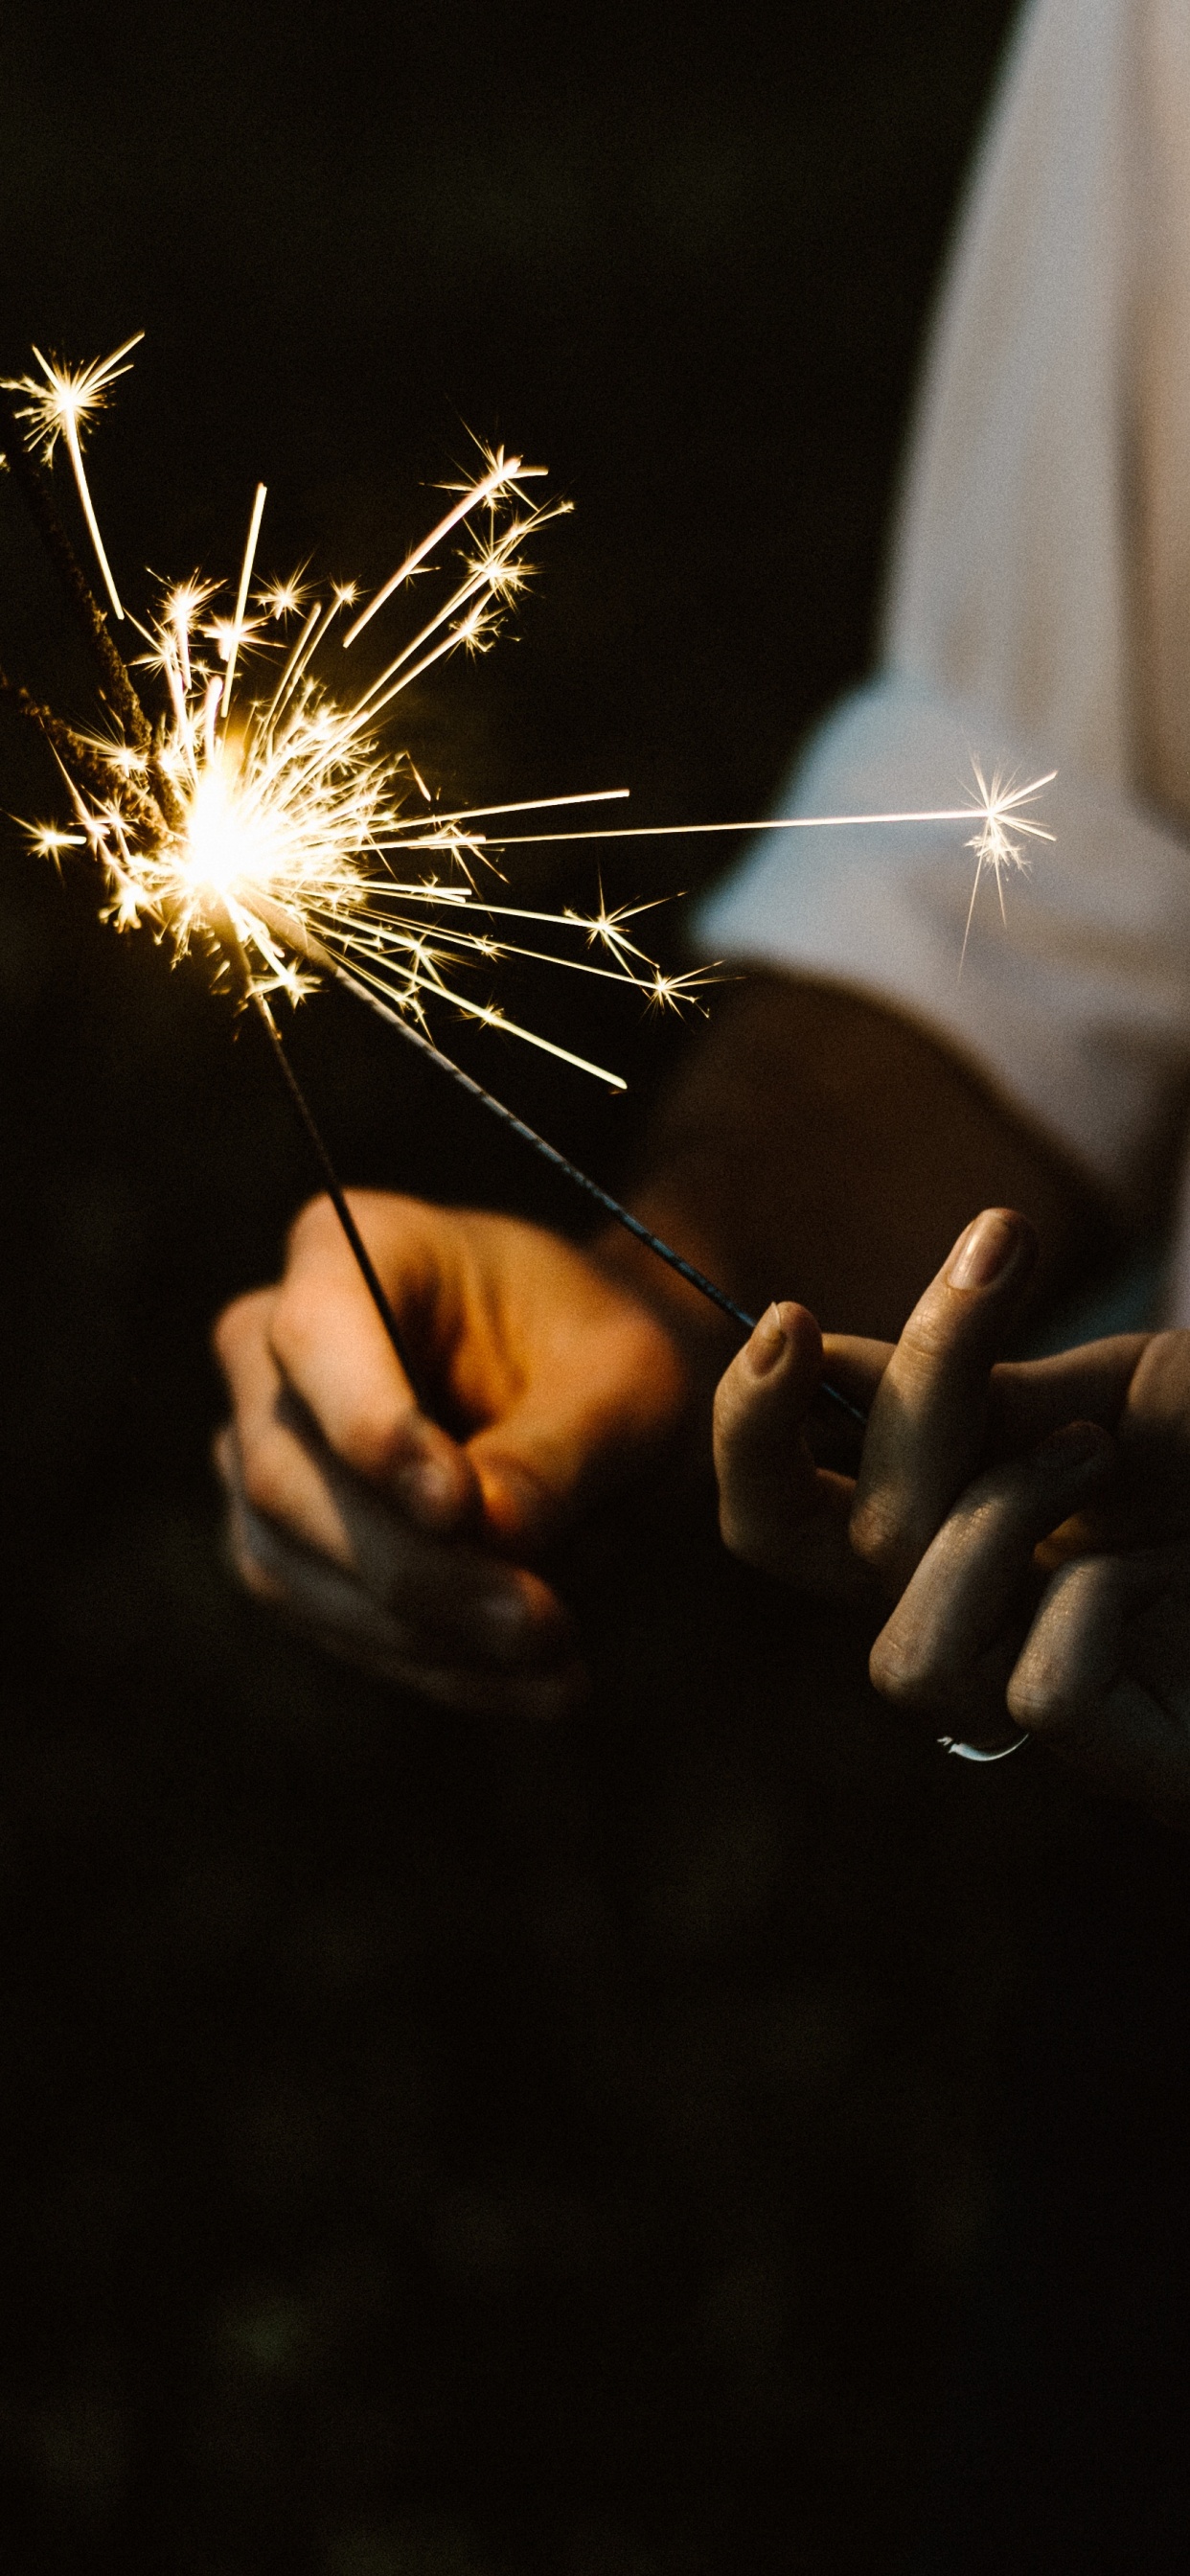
x=1038, y=618
x=1012, y=567
x=1076, y=1007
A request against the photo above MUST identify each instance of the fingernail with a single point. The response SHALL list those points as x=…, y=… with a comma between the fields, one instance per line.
x=768, y=1343
x=983, y=1253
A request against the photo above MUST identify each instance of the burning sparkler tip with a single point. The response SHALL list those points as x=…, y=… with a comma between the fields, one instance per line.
x=267, y=831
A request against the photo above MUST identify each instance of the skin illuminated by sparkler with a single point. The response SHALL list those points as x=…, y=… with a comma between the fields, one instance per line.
x=284, y=819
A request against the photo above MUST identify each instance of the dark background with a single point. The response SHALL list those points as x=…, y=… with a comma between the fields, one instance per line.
x=432, y=2150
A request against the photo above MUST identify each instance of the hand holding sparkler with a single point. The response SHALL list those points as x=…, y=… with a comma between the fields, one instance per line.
x=278, y=833
x=1022, y=1529
x=402, y=1546
x=977, y=1482
x=282, y=842
x=858, y=1536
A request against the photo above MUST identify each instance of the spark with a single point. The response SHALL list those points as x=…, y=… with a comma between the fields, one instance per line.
x=49, y=843
x=60, y=407
x=289, y=806
x=999, y=809
x=282, y=599
x=291, y=840
x=503, y=475
x=1001, y=814
x=230, y=644
x=274, y=843
x=990, y=807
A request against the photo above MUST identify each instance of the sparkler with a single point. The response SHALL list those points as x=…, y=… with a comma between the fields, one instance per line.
x=289, y=841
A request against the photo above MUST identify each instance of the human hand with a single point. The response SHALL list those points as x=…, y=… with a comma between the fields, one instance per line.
x=926, y=1402
x=1079, y=1630
x=933, y=1401
x=1029, y=1521
x=402, y=1545
x=858, y=1536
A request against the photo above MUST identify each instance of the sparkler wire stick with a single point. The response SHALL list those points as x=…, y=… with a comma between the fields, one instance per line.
x=334, y=1187
x=286, y=927
x=335, y=1191
x=71, y=750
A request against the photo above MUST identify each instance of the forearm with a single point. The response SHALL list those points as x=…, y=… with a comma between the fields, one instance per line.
x=816, y=1146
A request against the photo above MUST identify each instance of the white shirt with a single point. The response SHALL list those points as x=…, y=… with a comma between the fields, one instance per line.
x=1038, y=617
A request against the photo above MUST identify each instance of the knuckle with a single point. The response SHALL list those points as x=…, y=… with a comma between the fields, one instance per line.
x=1043, y=1697
x=264, y=1478
x=929, y=1337
x=876, y=1532
x=737, y=1528
x=313, y=1227
x=900, y=1669
x=301, y=1314
x=235, y=1325
x=737, y=1460
x=727, y=1408
x=372, y=1438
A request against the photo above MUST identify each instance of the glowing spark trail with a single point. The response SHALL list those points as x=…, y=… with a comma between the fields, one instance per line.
x=292, y=843
x=236, y=635
x=504, y=474
x=994, y=807
x=293, y=799
x=58, y=409
x=995, y=850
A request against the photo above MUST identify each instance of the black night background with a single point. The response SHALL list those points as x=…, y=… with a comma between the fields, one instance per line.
x=432, y=2149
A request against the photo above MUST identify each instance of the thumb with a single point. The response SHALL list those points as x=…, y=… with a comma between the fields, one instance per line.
x=579, y=1426
x=773, y=1502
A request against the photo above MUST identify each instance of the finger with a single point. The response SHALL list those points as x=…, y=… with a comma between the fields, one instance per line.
x=1103, y=1679
x=339, y=1615
x=1031, y=1398
x=275, y=1456
x=951, y=1642
x=452, y=1597
x=1074, y=1654
x=273, y=1451
x=777, y=1511
x=275, y=1459
x=333, y=1351
x=929, y=1417
x=855, y=1366
x=600, y=1390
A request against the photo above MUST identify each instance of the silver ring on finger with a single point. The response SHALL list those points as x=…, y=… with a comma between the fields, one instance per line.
x=977, y=1753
